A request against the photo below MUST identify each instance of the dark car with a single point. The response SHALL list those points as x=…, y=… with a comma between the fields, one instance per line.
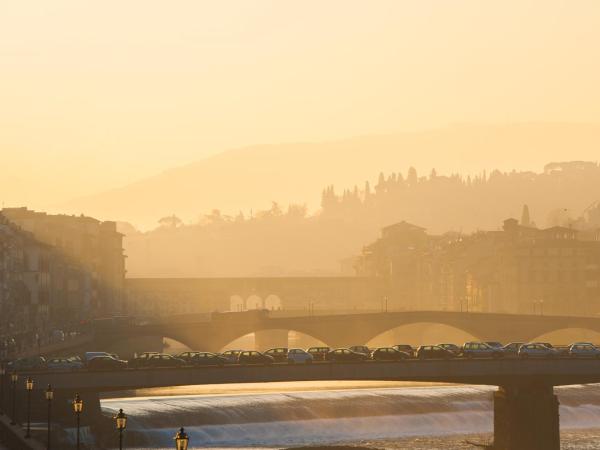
x=188, y=357
x=451, y=348
x=25, y=364
x=106, y=363
x=207, y=359
x=319, y=353
x=481, y=350
x=141, y=360
x=361, y=349
x=345, y=354
x=512, y=349
x=231, y=356
x=254, y=357
x=405, y=348
x=434, y=352
x=536, y=350
x=164, y=360
x=545, y=344
x=279, y=354
x=494, y=344
x=388, y=354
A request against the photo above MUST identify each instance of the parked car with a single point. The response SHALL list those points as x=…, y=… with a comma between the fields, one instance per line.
x=451, y=348
x=106, y=363
x=388, y=354
x=279, y=354
x=231, y=356
x=63, y=364
x=406, y=349
x=546, y=344
x=512, y=349
x=164, y=360
x=494, y=344
x=187, y=356
x=29, y=363
x=481, y=350
x=89, y=355
x=434, y=352
x=536, y=351
x=140, y=360
x=345, y=354
x=361, y=349
x=563, y=350
x=207, y=359
x=584, y=350
x=318, y=353
x=299, y=356
x=254, y=357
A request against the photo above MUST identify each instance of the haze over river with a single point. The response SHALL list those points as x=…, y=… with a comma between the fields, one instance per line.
x=374, y=414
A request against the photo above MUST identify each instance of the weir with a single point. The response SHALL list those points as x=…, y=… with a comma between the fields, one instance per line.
x=526, y=418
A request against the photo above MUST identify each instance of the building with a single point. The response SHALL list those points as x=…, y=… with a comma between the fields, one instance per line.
x=88, y=263
x=518, y=269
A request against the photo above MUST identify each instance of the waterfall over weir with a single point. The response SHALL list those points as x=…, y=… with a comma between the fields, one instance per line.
x=316, y=417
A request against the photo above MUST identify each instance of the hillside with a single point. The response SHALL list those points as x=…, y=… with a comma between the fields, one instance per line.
x=253, y=177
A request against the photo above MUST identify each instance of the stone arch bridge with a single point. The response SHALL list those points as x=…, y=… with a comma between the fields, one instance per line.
x=341, y=330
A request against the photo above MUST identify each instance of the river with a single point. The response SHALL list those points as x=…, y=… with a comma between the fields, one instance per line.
x=383, y=415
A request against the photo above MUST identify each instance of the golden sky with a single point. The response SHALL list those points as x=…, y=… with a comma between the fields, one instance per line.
x=96, y=94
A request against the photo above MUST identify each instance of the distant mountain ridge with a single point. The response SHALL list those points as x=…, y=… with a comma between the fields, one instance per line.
x=252, y=177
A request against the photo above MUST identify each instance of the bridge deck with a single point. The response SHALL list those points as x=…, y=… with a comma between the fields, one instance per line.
x=481, y=371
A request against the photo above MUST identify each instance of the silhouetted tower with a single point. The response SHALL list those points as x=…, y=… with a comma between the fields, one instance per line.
x=525, y=220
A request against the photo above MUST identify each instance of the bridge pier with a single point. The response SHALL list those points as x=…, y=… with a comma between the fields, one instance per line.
x=526, y=418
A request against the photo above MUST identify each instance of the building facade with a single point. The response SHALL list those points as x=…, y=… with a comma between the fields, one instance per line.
x=74, y=263
x=518, y=269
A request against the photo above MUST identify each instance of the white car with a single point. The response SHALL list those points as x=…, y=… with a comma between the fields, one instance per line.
x=299, y=356
x=584, y=350
x=536, y=351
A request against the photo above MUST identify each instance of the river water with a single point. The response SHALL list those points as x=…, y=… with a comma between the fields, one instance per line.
x=383, y=415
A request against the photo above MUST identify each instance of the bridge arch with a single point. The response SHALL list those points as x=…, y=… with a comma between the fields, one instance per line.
x=254, y=302
x=272, y=302
x=569, y=335
x=421, y=333
x=237, y=303
x=273, y=338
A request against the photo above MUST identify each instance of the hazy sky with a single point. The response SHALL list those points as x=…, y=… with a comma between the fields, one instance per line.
x=94, y=94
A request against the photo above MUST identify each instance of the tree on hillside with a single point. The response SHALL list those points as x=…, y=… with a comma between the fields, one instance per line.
x=170, y=222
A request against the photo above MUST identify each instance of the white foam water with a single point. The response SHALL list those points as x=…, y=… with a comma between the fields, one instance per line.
x=325, y=417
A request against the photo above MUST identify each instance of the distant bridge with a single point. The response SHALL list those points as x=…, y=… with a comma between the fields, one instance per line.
x=340, y=330
x=154, y=296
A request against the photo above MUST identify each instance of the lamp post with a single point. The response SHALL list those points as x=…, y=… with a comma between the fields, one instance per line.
x=49, y=397
x=2, y=373
x=77, y=408
x=13, y=378
x=121, y=422
x=181, y=440
x=29, y=387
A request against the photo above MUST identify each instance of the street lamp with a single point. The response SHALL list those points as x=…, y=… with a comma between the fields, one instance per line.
x=77, y=408
x=49, y=397
x=29, y=387
x=13, y=378
x=121, y=421
x=181, y=440
x=2, y=373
